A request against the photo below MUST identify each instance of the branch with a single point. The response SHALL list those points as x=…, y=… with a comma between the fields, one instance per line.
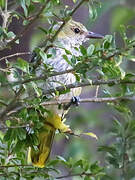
x=14, y=127
x=5, y=15
x=89, y=83
x=66, y=101
x=11, y=105
x=77, y=7
x=44, y=77
x=77, y=174
x=61, y=88
x=3, y=103
x=13, y=55
x=70, y=86
x=14, y=165
x=29, y=25
x=89, y=100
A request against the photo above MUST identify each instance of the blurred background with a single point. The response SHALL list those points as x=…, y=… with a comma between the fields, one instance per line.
x=94, y=117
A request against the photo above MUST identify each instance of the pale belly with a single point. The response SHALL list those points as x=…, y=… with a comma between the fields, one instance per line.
x=59, y=64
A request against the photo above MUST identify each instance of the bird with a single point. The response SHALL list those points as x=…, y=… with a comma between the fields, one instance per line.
x=70, y=37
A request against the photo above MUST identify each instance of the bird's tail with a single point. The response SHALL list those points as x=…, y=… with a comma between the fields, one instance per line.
x=45, y=137
x=38, y=158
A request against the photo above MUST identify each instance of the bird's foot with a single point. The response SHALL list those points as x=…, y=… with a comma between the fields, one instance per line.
x=74, y=101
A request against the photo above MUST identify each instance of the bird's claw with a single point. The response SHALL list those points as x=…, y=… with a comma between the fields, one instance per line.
x=74, y=101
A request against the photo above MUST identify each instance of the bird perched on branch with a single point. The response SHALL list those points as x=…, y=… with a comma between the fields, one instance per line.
x=69, y=38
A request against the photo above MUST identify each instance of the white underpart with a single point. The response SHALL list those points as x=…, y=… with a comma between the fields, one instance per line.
x=59, y=64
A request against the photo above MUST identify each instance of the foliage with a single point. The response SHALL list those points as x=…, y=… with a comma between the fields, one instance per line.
x=21, y=98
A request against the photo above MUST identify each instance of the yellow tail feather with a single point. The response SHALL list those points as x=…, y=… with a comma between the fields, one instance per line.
x=45, y=137
x=39, y=158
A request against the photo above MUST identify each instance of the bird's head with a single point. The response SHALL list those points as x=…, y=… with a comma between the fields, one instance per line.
x=76, y=33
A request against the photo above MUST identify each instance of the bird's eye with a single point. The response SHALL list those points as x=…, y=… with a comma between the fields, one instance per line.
x=76, y=30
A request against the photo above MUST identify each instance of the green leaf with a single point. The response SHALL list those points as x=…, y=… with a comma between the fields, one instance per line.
x=8, y=135
x=23, y=4
x=37, y=90
x=66, y=58
x=43, y=30
x=79, y=163
x=10, y=35
x=53, y=162
x=2, y=3
x=92, y=12
x=8, y=123
x=19, y=146
x=90, y=50
x=83, y=50
x=21, y=133
x=113, y=161
x=108, y=39
x=67, y=52
x=87, y=178
x=110, y=150
x=95, y=168
x=91, y=135
x=43, y=56
x=131, y=58
x=73, y=59
x=22, y=65
x=123, y=73
x=61, y=158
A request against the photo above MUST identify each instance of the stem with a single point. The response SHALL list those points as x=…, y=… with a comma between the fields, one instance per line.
x=36, y=78
x=92, y=83
x=13, y=55
x=28, y=26
x=15, y=165
x=11, y=105
x=65, y=101
x=77, y=174
x=124, y=172
x=89, y=100
x=77, y=7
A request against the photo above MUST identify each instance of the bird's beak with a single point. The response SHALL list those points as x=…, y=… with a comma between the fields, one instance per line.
x=94, y=35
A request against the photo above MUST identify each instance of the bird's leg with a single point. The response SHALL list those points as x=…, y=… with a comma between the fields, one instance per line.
x=74, y=101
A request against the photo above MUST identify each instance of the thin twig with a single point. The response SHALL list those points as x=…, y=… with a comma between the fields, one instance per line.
x=44, y=77
x=11, y=104
x=10, y=107
x=92, y=83
x=77, y=7
x=29, y=25
x=61, y=88
x=14, y=127
x=85, y=100
x=97, y=90
x=3, y=103
x=77, y=174
x=15, y=165
x=6, y=3
x=5, y=15
x=89, y=100
x=13, y=55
